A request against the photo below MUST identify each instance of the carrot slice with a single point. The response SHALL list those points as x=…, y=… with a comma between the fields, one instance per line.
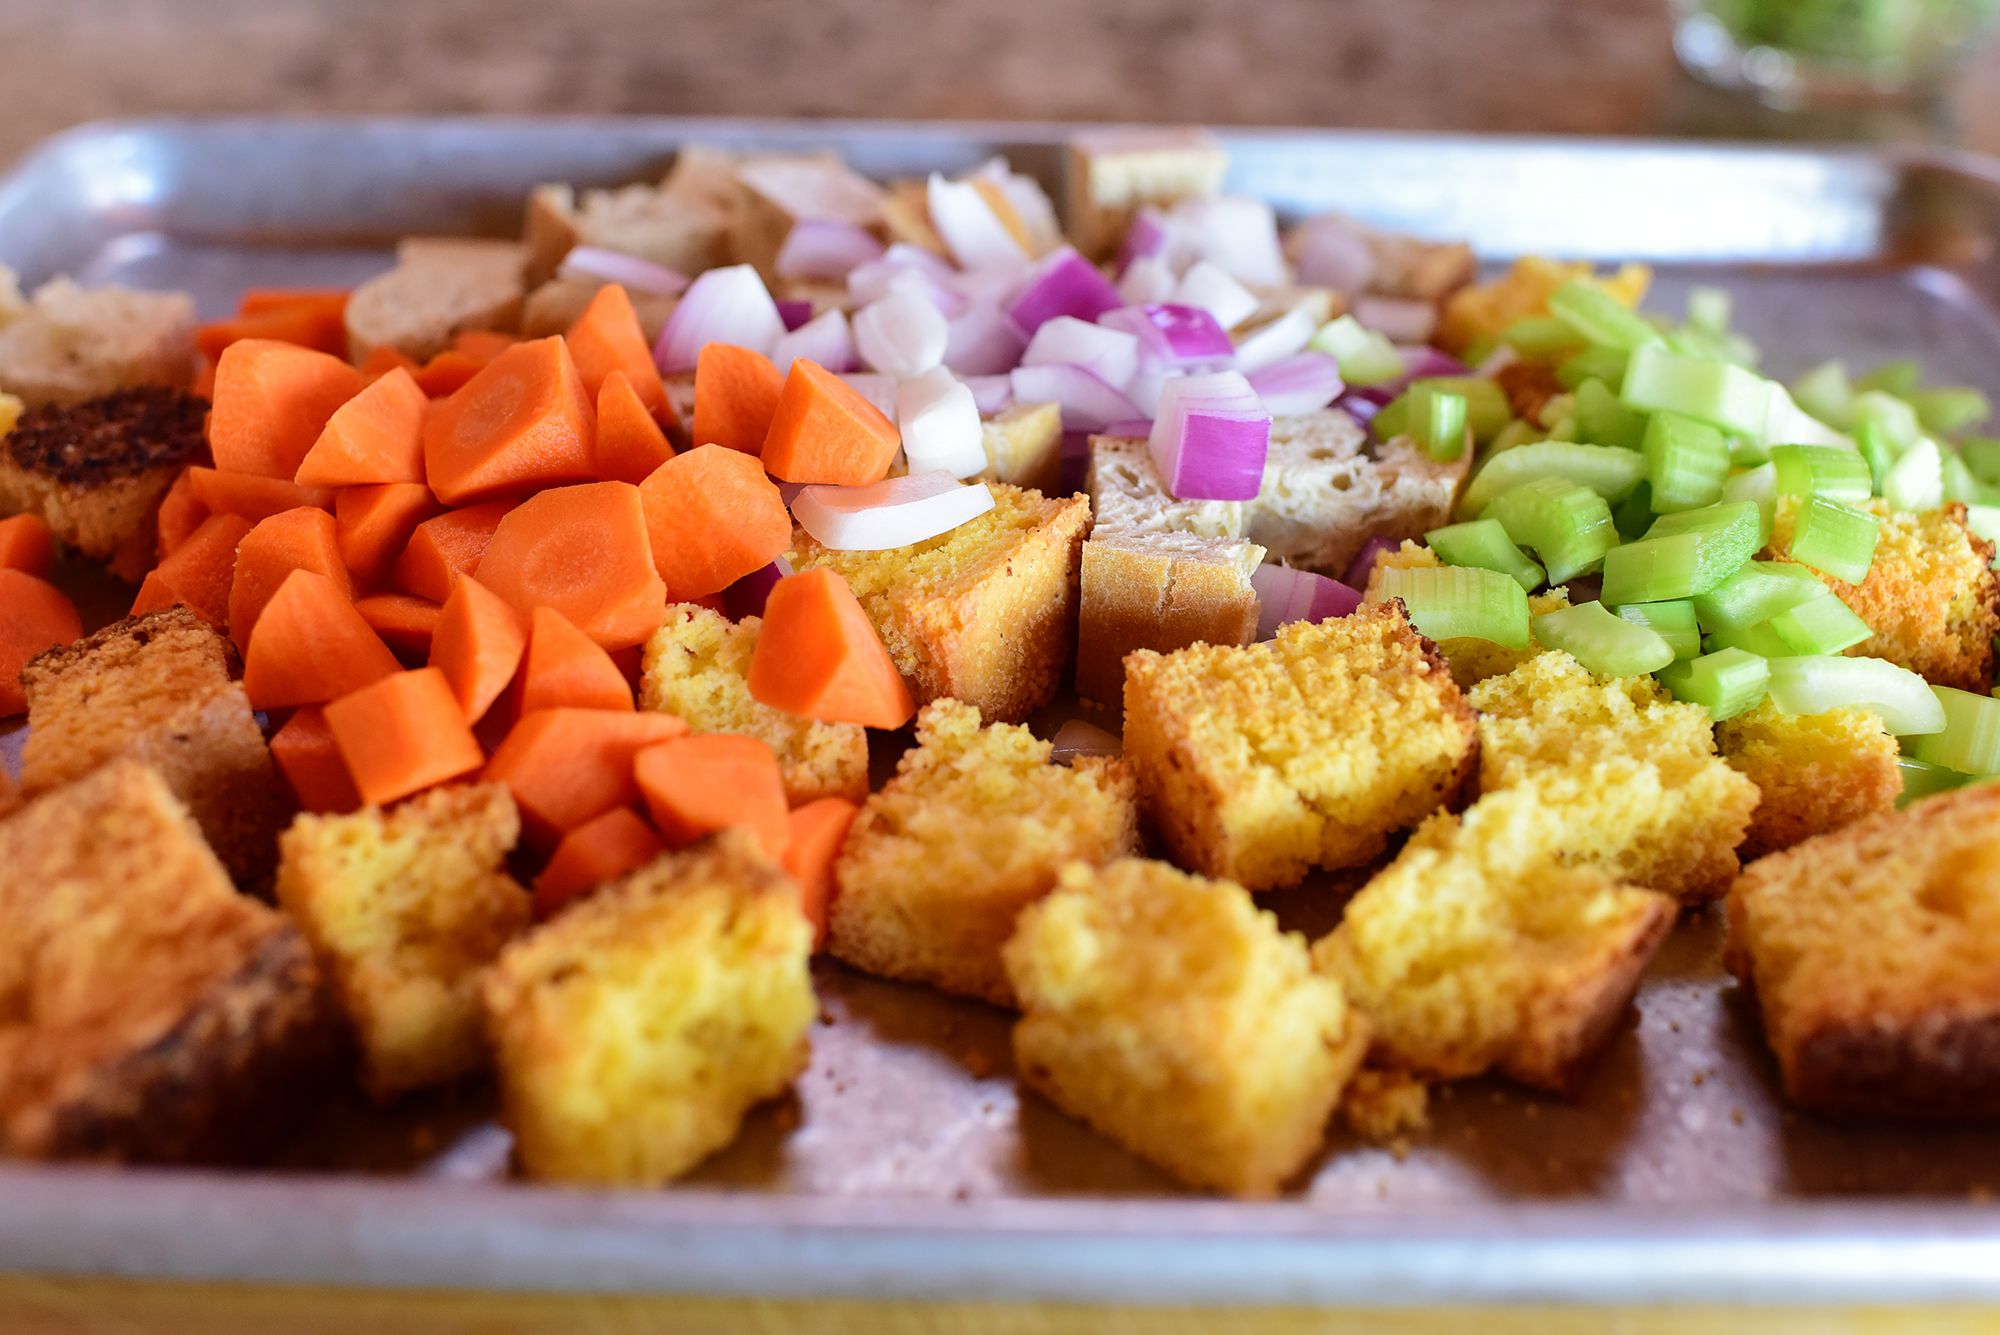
x=373, y=525
x=180, y=514
x=478, y=645
x=302, y=539
x=376, y=436
x=735, y=396
x=272, y=400
x=34, y=616
x=252, y=496
x=818, y=829
x=594, y=852
x=565, y=766
x=482, y=344
x=583, y=551
x=308, y=324
x=607, y=338
x=406, y=623
x=697, y=785
x=713, y=515
x=823, y=431
x=200, y=573
x=26, y=544
x=402, y=734
x=386, y=359
x=630, y=443
x=564, y=668
x=311, y=646
x=523, y=421
x=447, y=546
x=260, y=300
x=311, y=763
x=446, y=373
x=818, y=656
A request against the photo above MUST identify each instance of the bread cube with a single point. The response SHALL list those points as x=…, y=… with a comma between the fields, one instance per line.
x=440, y=287
x=682, y=223
x=72, y=344
x=779, y=190
x=1472, y=660
x=555, y=305
x=634, y=1031
x=1023, y=445
x=1327, y=492
x=973, y=828
x=1169, y=1013
x=406, y=908
x=1814, y=772
x=1113, y=171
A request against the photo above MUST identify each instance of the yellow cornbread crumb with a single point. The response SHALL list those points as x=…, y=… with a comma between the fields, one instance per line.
x=1172, y=1015
x=1382, y=1103
x=1485, y=310
x=1814, y=772
x=1472, y=660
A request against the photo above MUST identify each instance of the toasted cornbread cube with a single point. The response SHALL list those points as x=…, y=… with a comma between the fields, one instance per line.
x=440, y=287
x=697, y=667
x=1485, y=310
x=147, y=1010
x=973, y=828
x=72, y=343
x=1475, y=950
x=1310, y=750
x=1814, y=772
x=406, y=908
x=1874, y=952
x=1113, y=171
x=634, y=1031
x=985, y=613
x=156, y=689
x=1382, y=1103
x=1023, y=445
x=1172, y=1015
x=1472, y=660
x=1646, y=798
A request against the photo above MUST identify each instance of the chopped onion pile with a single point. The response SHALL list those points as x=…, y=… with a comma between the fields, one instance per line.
x=825, y=339
x=1088, y=404
x=973, y=233
x=940, y=425
x=1062, y=283
x=629, y=270
x=1303, y=383
x=1212, y=288
x=991, y=393
x=901, y=334
x=1175, y=336
x=1285, y=595
x=892, y=513
x=1112, y=355
x=1329, y=252
x=1237, y=234
x=825, y=250
x=1210, y=437
x=728, y=305
x=1273, y=342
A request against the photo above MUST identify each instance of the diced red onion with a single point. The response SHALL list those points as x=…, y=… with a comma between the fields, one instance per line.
x=1302, y=383
x=982, y=341
x=990, y=393
x=1152, y=375
x=1397, y=319
x=1363, y=564
x=1132, y=428
x=1234, y=232
x=1087, y=403
x=1077, y=738
x=815, y=248
x=907, y=267
x=1272, y=343
x=1031, y=204
x=1175, y=335
x=1422, y=363
x=1112, y=355
x=1285, y=595
x=1145, y=238
x=825, y=339
x=794, y=311
x=1206, y=285
x=727, y=305
x=894, y=512
x=879, y=390
x=628, y=270
x=745, y=598
x=901, y=334
x=940, y=425
x=1063, y=283
x=1146, y=280
x=1210, y=437
x=1329, y=252
x=971, y=230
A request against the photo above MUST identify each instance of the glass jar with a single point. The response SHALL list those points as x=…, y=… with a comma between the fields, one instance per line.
x=1790, y=52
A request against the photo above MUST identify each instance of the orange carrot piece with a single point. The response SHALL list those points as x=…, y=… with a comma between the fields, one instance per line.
x=697, y=785
x=204, y=380
x=823, y=431
x=446, y=546
x=302, y=539
x=583, y=551
x=446, y=373
x=478, y=646
x=523, y=422
x=594, y=852
x=713, y=515
x=260, y=300
x=401, y=734
x=310, y=646
x=26, y=544
x=272, y=400
x=34, y=615
x=374, y=524
x=564, y=668
x=251, y=496
x=630, y=443
x=565, y=766
x=322, y=327
x=406, y=623
x=200, y=573
x=735, y=396
x=386, y=359
x=311, y=763
x=483, y=345
x=377, y=436
x=818, y=829
x=818, y=656
x=180, y=514
x=607, y=338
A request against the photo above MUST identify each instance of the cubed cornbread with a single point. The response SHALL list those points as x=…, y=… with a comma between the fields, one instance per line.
x=1327, y=492
x=1474, y=950
x=1874, y=954
x=1023, y=444
x=697, y=667
x=634, y=1031
x=157, y=689
x=1171, y=1014
x=1472, y=315
x=974, y=827
x=75, y=343
x=1931, y=595
x=147, y=1010
x=439, y=288
x=1472, y=660
x=1112, y=171
x=1645, y=797
x=1814, y=772
x=1382, y=1103
x=985, y=613
x=406, y=908
x=1260, y=762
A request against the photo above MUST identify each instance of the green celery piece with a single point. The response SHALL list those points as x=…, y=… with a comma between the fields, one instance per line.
x=1686, y=462
x=1718, y=393
x=1759, y=484
x=1873, y=444
x=1437, y=422
x=1917, y=480
x=1747, y=452
x=1600, y=318
x=1682, y=554
x=1394, y=418
x=1756, y=593
x=1984, y=521
x=1594, y=363
x=1483, y=543
x=1726, y=682
x=1673, y=621
x=1541, y=338
x=1835, y=539
x=1602, y=419
x=1708, y=309
x=1516, y=433
x=1825, y=393
x=1567, y=524
x=1898, y=420
x=1922, y=779
x=1633, y=515
x=1460, y=602
x=1959, y=484
x=1365, y=357
x=1486, y=406
x=1822, y=470
x=1608, y=645
x=1899, y=378
x=1820, y=626
x=1611, y=473
x=1759, y=640
x=1982, y=456
x=1950, y=410
x=1815, y=683
x=1969, y=742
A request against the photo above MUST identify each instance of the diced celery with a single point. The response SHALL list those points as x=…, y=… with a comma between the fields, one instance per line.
x=1821, y=626
x=1708, y=309
x=1950, y=410
x=1608, y=471
x=1568, y=525
x=1982, y=456
x=1602, y=419
x=1922, y=779
x=1437, y=422
x=1984, y=521
x=1394, y=418
x=1825, y=393
x=1835, y=539
x=1819, y=682
x=1969, y=742
x=1633, y=515
x=1759, y=484
x=1515, y=434
x=1541, y=337
x=1461, y=602
x=1898, y=378
x=1755, y=594
x=1486, y=406
x=1606, y=364
x=1605, y=644
x=1915, y=481
x=1873, y=444
x=1785, y=423
x=1718, y=393
x=1747, y=452
x=1683, y=554
x=1759, y=640
x=1365, y=357
x=1822, y=470
x=1898, y=420
x=1483, y=543
x=1726, y=682
x=1479, y=349
x=1958, y=483
x=1686, y=462
x=1673, y=621
x=1600, y=317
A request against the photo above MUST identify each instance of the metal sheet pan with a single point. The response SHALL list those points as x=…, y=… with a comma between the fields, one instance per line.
x=906, y=1163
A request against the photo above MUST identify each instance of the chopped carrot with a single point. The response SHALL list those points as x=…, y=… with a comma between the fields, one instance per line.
x=402, y=734
x=523, y=422
x=446, y=373
x=697, y=785
x=482, y=344
x=386, y=359
x=311, y=763
x=735, y=395
x=310, y=646
x=259, y=300
x=446, y=546
x=204, y=380
x=594, y=852
x=308, y=325
x=302, y=539
x=34, y=615
x=565, y=766
x=406, y=623
x=823, y=431
x=478, y=646
x=818, y=829
x=607, y=338
x=271, y=402
x=817, y=656
x=564, y=668
x=630, y=443
x=374, y=525
x=582, y=550
x=377, y=436
x=713, y=515
x=26, y=544
x=180, y=514
x=251, y=496
x=199, y=573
